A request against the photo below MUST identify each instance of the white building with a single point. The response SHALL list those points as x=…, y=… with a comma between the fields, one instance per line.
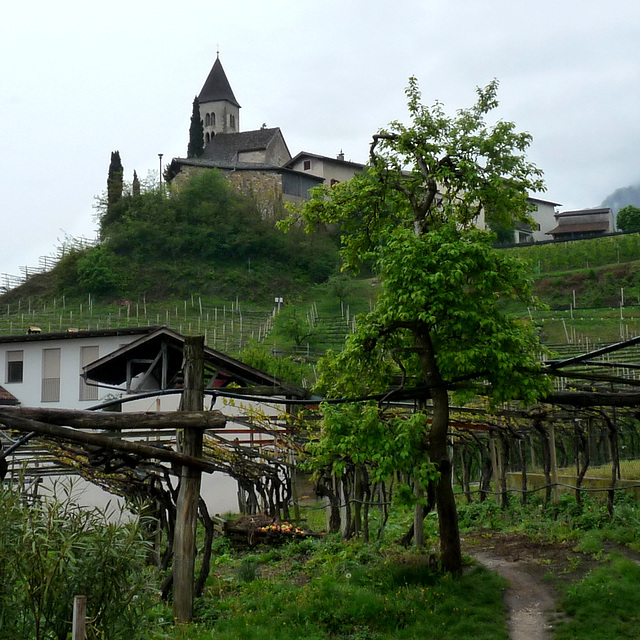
x=43, y=369
x=142, y=367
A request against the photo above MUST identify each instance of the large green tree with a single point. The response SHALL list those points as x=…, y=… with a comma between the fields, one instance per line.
x=628, y=218
x=413, y=215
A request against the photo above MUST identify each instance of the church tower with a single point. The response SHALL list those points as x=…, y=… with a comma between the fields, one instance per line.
x=219, y=109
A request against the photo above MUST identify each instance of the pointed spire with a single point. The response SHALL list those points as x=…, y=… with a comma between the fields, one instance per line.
x=216, y=87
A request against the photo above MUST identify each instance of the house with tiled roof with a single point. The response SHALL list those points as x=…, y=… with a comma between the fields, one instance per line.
x=331, y=170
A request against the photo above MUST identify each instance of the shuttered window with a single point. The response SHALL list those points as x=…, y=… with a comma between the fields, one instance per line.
x=87, y=355
x=50, y=375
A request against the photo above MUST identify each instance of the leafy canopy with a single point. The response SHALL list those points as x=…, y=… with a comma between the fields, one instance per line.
x=414, y=215
x=628, y=218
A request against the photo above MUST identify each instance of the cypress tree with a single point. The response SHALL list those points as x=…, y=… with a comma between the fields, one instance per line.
x=115, y=180
x=135, y=185
x=196, y=132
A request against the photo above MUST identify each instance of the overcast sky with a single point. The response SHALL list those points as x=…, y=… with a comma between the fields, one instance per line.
x=80, y=79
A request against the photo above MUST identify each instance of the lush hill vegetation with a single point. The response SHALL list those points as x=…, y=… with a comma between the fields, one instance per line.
x=206, y=237
x=204, y=259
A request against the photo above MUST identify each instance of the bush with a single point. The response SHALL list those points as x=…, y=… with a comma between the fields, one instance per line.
x=52, y=550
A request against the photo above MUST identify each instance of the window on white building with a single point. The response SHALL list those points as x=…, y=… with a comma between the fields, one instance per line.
x=15, y=366
x=50, y=375
x=87, y=391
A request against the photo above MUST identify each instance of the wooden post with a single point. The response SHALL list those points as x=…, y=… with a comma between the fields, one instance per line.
x=190, y=443
x=554, y=463
x=495, y=469
x=79, y=618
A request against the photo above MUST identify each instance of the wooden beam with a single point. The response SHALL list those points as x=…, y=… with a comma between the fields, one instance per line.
x=13, y=421
x=112, y=421
x=190, y=443
x=594, y=399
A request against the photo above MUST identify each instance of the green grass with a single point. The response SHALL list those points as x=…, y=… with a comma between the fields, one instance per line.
x=604, y=605
x=348, y=592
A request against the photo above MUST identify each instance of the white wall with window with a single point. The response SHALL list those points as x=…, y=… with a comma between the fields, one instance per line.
x=44, y=369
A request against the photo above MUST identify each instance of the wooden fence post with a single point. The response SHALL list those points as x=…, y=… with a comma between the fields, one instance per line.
x=79, y=618
x=495, y=469
x=190, y=443
x=554, y=463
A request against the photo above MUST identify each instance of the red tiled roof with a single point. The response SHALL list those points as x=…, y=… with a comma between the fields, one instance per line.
x=7, y=398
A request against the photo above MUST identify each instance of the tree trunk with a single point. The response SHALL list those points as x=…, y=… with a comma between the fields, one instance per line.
x=450, y=552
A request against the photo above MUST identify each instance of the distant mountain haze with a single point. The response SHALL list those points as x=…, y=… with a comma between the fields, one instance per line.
x=622, y=197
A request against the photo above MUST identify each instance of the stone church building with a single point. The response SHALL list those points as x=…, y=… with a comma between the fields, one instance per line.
x=257, y=162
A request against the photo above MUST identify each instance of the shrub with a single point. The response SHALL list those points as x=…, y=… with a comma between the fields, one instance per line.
x=51, y=550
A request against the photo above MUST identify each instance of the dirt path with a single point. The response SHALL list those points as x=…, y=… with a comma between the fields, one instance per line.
x=530, y=599
x=530, y=602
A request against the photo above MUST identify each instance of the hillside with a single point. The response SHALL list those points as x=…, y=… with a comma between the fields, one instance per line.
x=203, y=260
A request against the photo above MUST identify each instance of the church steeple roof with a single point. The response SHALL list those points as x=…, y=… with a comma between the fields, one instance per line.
x=216, y=87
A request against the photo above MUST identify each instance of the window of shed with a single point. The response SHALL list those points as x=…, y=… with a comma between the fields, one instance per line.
x=307, y=165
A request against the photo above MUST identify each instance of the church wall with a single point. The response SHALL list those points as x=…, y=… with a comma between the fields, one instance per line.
x=257, y=157
x=277, y=152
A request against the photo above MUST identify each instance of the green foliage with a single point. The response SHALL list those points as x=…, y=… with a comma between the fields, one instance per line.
x=360, y=434
x=580, y=254
x=438, y=324
x=294, y=325
x=115, y=179
x=451, y=282
x=412, y=214
x=341, y=286
x=628, y=218
x=211, y=224
x=195, y=147
x=100, y=271
x=52, y=550
x=610, y=593
x=384, y=601
x=288, y=369
x=135, y=185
